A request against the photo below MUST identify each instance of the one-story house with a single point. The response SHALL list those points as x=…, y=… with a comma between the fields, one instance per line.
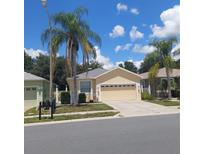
x=36, y=89
x=161, y=77
x=104, y=85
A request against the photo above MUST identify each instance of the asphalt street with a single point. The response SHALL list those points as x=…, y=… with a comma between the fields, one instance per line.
x=135, y=135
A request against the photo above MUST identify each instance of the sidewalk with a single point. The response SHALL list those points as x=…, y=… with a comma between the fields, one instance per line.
x=72, y=113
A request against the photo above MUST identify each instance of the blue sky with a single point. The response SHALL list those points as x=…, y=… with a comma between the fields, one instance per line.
x=125, y=26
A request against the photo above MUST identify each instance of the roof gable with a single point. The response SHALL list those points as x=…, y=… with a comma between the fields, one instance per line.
x=30, y=77
x=92, y=73
x=120, y=68
x=162, y=73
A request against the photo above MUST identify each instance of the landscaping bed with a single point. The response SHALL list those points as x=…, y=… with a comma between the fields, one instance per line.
x=165, y=102
x=69, y=117
x=70, y=109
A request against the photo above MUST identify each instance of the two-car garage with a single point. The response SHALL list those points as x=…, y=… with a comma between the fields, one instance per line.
x=118, y=92
x=118, y=85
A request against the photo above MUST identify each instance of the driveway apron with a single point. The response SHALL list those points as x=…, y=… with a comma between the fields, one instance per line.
x=142, y=108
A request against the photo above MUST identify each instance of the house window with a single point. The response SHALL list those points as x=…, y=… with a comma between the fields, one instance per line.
x=85, y=86
x=28, y=89
x=34, y=89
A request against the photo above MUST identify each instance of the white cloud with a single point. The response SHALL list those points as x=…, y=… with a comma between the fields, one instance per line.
x=135, y=34
x=117, y=31
x=118, y=62
x=134, y=11
x=143, y=49
x=105, y=61
x=176, y=52
x=171, y=23
x=125, y=47
x=35, y=52
x=121, y=7
x=136, y=63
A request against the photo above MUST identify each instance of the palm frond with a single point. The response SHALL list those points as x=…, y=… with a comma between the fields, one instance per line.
x=80, y=11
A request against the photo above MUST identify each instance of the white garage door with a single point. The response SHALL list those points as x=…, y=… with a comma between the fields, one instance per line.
x=118, y=92
x=30, y=97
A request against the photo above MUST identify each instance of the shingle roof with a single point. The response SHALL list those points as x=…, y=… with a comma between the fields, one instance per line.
x=29, y=76
x=162, y=73
x=92, y=73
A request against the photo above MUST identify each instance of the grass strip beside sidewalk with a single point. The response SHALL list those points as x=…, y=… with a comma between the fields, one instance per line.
x=165, y=102
x=69, y=117
x=70, y=109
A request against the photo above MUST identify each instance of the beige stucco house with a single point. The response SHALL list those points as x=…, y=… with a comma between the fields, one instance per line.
x=104, y=85
x=36, y=89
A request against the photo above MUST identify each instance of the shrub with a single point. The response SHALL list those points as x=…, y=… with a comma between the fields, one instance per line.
x=175, y=93
x=146, y=96
x=65, y=98
x=82, y=98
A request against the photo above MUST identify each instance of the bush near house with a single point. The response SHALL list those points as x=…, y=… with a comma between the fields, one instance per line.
x=82, y=98
x=175, y=93
x=65, y=98
x=146, y=96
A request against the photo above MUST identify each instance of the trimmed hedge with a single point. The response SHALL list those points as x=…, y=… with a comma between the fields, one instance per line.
x=82, y=98
x=65, y=98
x=146, y=96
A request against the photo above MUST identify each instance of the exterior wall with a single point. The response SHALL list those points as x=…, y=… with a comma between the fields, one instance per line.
x=118, y=80
x=89, y=96
x=115, y=73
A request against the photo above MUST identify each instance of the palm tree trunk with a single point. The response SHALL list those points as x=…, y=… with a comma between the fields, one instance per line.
x=75, y=95
x=169, y=83
x=154, y=87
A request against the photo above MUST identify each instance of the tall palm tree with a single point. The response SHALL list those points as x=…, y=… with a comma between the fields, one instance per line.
x=153, y=71
x=164, y=47
x=70, y=29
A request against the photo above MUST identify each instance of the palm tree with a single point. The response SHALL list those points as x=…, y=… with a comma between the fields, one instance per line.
x=164, y=47
x=153, y=71
x=70, y=29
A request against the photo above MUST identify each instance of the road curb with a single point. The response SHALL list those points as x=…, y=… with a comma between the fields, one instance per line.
x=72, y=113
x=117, y=116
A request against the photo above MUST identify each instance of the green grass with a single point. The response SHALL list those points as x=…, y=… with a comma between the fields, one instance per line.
x=69, y=109
x=165, y=102
x=69, y=117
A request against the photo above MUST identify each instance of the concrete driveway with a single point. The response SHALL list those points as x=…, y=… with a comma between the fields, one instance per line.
x=134, y=108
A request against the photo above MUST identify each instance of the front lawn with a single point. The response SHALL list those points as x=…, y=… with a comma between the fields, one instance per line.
x=69, y=109
x=165, y=102
x=69, y=117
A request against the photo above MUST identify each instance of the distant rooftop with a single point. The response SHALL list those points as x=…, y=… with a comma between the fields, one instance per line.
x=162, y=73
x=92, y=73
x=30, y=77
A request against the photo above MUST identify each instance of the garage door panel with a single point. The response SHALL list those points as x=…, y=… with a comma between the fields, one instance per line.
x=118, y=93
x=30, y=93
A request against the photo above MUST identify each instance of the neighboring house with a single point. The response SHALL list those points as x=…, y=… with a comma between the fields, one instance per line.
x=106, y=85
x=36, y=89
x=161, y=76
